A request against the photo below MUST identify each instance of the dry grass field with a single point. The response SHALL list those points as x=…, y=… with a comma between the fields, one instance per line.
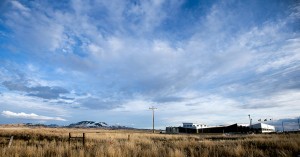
x=46, y=142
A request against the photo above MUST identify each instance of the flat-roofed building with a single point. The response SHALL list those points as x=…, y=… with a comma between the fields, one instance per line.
x=263, y=128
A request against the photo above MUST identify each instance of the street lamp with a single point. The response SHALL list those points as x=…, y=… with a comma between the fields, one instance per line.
x=250, y=120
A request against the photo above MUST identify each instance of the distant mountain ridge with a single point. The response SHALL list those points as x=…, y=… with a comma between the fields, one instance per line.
x=81, y=124
x=93, y=124
x=89, y=124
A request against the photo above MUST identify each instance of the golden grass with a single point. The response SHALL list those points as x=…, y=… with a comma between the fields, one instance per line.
x=35, y=142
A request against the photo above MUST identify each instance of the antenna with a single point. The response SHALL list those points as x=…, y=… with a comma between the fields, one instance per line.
x=152, y=108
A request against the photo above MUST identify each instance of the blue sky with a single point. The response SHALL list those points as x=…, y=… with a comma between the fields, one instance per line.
x=211, y=62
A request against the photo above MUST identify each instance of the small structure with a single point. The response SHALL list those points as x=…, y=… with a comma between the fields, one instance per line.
x=263, y=128
x=172, y=130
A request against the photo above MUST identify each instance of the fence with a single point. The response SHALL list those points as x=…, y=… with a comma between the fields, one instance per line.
x=77, y=137
x=7, y=141
x=83, y=138
x=70, y=138
x=10, y=141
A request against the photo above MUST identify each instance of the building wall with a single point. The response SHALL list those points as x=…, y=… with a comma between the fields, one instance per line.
x=235, y=128
x=172, y=130
x=263, y=128
x=194, y=125
x=225, y=129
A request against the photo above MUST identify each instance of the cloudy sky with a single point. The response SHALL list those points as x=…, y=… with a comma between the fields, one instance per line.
x=211, y=62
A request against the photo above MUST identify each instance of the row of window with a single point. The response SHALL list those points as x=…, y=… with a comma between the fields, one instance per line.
x=267, y=129
x=194, y=125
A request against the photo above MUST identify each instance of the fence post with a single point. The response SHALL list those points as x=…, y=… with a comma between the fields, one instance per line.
x=128, y=137
x=69, y=138
x=83, y=138
x=10, y=141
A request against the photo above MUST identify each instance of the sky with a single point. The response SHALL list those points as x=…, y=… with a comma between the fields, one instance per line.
x=209, y=62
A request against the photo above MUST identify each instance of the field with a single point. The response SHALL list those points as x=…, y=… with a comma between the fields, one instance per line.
x=36, y=142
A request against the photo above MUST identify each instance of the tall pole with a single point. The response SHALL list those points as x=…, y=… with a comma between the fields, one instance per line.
x=152, y=108
x=282, y=127
x=250, y=120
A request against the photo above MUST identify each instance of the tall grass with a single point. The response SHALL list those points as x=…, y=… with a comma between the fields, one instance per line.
x=37, y=142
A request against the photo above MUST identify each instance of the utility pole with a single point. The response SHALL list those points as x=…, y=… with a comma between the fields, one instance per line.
x=282, y=127
x=152, y=108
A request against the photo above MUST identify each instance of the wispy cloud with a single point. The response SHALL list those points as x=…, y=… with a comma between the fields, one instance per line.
x=30, y=116
x=10, y=101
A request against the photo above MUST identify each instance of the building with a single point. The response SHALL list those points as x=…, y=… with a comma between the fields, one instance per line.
x=201, y=128
x=262, y=128
x=234, y=128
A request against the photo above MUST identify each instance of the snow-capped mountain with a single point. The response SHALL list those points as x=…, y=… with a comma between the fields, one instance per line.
x=89, y=124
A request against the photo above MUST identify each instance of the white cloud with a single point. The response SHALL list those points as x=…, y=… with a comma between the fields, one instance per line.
x=295, y=12
x=214, y=109
x=115, y=44
x=60, y=71
x=17, y=5
x=135, y=106
x=162, y=47
x=95, y=50
x=27, y=103
x=32, y=68
x=44, y=32
x=282, y=99
x=32, y=116
x=286, y=56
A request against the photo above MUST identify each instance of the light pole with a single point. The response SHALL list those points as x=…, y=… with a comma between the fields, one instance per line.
x=152, y=108
x=250, y=120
